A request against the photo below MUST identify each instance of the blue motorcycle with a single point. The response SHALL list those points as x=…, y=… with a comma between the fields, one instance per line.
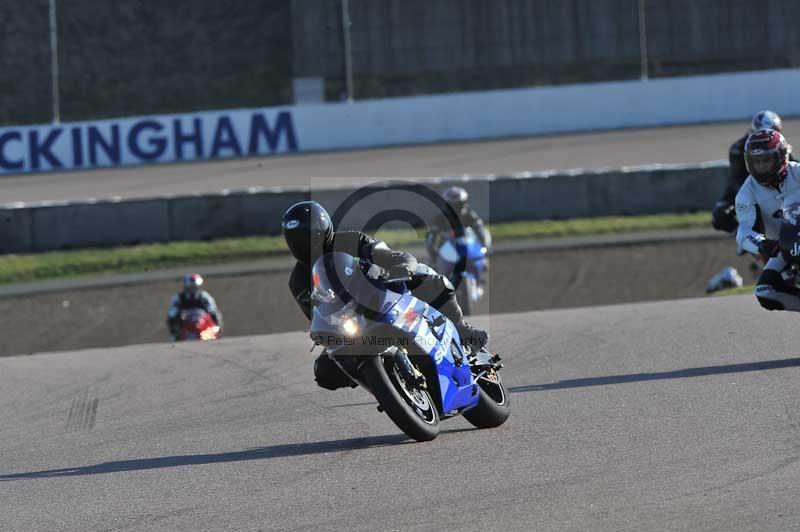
x=463, y=260
x=401, y=349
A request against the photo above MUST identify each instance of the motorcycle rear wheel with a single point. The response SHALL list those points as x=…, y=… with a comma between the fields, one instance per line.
x=410, y=408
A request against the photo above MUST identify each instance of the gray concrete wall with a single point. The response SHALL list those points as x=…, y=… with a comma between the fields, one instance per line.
x=642, y=190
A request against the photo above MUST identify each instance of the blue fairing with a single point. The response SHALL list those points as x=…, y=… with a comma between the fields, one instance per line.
x=473, y=249
x=341, y=289
x=417, y=318
x=467, y=249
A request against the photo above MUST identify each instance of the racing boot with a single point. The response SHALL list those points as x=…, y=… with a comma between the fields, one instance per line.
x=470, y=336
x=438, y=291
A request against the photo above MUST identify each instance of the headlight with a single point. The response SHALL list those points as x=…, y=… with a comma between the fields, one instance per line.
x=349, y=326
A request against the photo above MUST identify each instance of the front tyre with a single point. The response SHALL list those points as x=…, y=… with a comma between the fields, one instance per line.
x=411, y=408
x=493, y=404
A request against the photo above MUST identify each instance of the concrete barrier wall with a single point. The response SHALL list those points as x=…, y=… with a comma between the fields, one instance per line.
x=466, y=116
x=40, y=227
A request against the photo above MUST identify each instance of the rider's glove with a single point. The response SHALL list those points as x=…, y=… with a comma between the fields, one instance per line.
x=376, y=273
x=768, y=248
x=399, y=271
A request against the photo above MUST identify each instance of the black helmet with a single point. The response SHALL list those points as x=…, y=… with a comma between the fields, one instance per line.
x=308, y=230
x=457, y=198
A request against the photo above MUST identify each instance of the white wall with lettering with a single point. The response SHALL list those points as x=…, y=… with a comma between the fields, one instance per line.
x=371, y=123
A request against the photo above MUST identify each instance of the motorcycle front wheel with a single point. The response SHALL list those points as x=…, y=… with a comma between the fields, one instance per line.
x=410, y=407
x=493, y=405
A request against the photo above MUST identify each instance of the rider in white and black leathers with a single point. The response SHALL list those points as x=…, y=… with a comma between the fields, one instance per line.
x=308, y=231
x=723, y=215
x=774, y=181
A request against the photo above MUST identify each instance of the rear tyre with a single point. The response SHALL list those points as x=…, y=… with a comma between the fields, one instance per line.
x=411, y=408
x=493, y=404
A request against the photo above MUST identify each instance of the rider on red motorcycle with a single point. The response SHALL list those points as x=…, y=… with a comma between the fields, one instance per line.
x=192, y=296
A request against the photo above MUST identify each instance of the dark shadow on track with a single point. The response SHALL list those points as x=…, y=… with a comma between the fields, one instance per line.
x=677, y=374
x=260, y=453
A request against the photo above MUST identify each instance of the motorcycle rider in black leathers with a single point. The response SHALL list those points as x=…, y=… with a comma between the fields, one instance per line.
x=723, y=215
x=309, y=234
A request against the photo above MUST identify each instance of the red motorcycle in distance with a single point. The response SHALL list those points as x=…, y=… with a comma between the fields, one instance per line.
x=197, y=324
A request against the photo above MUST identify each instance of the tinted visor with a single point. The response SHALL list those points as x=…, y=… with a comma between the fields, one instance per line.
x=304, y=244
x=457, y=205
x=191, y=291
x=762, y=166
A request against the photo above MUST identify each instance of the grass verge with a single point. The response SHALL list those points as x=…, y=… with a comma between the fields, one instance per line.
x=62, y=264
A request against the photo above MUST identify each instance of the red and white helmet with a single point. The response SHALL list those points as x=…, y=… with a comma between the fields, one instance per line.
x=192, y=285
x=765, y=155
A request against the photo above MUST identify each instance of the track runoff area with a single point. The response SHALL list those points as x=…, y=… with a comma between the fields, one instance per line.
x=672, y=414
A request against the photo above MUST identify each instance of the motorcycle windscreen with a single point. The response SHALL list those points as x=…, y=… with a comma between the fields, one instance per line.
x=339, y=280
x=448, y=251
x=468, y=246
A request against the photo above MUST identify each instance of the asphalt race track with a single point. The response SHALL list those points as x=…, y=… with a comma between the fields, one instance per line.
x=261, y=303
x=679, y=415
x=677, y=144
x=667, y=415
